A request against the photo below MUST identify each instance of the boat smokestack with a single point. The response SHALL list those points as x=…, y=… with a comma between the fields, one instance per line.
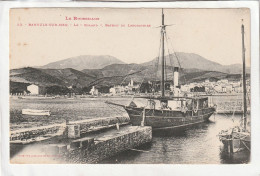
x=176, y=77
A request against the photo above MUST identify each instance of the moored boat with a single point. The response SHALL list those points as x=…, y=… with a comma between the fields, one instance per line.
x=175, y=112
x=36, y=97
x=239, y=137
x=165, y=112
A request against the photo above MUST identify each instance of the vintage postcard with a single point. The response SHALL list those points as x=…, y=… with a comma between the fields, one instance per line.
x=130, y=85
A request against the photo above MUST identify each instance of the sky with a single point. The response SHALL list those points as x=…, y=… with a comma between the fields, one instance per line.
x=215, y=34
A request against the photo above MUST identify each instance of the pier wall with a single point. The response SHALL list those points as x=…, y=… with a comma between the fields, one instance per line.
x=71, y=129
x=228, y=103
x=77, y=128
x=32, y=133
x=95, y=149
x=229, y=107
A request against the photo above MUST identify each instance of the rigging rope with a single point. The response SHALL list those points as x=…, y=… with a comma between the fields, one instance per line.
x=170, y=58
x=235, y=109
x=156, y=64
x=176, y=56
x=128, y=74
x=141, y=85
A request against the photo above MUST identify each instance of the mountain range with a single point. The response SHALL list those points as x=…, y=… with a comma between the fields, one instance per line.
x=86, y=71
x=191, y=61
x=84, y=62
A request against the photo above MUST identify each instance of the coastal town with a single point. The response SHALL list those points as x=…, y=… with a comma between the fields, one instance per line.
x=209, y=86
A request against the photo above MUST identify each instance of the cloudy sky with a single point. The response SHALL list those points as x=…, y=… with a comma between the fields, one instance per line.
x=212, y=33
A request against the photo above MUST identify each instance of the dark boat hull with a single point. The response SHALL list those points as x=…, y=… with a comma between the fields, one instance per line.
x=164, y=119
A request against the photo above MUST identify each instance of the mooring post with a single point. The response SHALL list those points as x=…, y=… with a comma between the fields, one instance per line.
x=117, y=126
x=142, y=123
x=73, y=131
x=231, y=145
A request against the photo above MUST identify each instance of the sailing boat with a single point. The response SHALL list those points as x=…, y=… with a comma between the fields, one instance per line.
x=168, y=112
x=238, y=138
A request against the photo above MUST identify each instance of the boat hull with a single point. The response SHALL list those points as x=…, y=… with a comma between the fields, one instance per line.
x=164, y=119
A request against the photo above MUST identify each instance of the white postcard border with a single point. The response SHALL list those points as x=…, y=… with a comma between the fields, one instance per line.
x=140, y=169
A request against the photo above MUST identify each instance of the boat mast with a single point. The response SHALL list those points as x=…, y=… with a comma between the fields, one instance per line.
x=163, y=69
x=244, y=76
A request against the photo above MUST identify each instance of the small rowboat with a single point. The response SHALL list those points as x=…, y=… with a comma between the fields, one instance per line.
x=36, y=112
x=36, y=97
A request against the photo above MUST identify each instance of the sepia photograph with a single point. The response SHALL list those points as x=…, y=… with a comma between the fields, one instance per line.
x=130, y=85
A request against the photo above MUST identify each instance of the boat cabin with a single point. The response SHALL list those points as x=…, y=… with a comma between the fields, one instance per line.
x=179, y=103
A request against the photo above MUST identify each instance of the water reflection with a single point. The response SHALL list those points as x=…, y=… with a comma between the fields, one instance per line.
x=235, y=158
x=197, y=144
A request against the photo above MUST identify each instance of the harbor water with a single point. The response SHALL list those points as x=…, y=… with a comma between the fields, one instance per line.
x=194, y=145
x=198, y=144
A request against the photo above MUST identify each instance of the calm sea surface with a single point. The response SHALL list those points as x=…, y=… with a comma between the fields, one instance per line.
x=196, y=145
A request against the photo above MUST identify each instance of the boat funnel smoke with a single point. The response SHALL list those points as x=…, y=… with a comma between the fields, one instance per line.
x=176, y=77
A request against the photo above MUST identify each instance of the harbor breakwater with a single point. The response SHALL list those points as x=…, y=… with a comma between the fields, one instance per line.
x=93, y=149
x=71, y=129
x=84, y=141
x=229, y=104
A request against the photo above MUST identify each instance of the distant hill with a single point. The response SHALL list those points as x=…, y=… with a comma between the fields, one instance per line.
x=48, y=77
x=106, y=71
x=122, y=73
x=94, y=72
x=34, y=76
x=91, y=64
x=201, y=76
x=84, y=62
x=116, y=74
x=195, y=61
x=70, y=76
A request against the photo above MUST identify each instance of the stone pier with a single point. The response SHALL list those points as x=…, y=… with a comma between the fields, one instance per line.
x=86, y=141
x=77, y=128
x=95, y=148
x=28, y=135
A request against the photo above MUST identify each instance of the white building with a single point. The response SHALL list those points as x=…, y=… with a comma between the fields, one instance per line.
x=117, y=89
x=33, y=89
x=224, y=89
x=185, y=88
x=112, y=90
x=218, y=88
x=94, y=91
x=206, y=80
x=131, y=83
x=238, y=89
x=224, y=81
x=229, y=88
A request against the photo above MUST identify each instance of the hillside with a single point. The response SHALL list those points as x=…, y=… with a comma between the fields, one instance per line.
x=202, y=76
x=49, y=77
x=70, y=76
x=34, y=76
x=195, y=61
x=106, y=71
x=116, y=74
x=94, y=72
x=99, y=66
x=84, y=62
